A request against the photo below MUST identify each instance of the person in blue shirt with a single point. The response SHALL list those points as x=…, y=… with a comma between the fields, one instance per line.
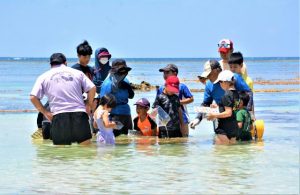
x=213, y=91
x=118, y=85
x=102, y=67
x=185, y=95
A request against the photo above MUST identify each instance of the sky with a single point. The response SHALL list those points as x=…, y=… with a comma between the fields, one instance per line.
x=149, y=28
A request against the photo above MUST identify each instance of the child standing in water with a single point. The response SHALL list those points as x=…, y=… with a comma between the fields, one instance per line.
x=243, y=118
x=236, y=66
x=169, y=101
x=143, y=121
x=101, y=120
x=227, y=129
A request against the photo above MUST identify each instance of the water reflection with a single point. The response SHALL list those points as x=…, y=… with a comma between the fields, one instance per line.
x=234, y=167
x=46, y=150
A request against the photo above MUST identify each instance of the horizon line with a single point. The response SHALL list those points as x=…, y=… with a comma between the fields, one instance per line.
x=158, y=57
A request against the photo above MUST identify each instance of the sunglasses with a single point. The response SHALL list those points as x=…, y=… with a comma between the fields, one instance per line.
x=224, y=45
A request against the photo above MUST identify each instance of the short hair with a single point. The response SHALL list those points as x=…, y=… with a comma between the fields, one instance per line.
x=109, y=100
x=214, y=64
x=236, y=58
x=84, y=49
x=244, y=96
x=57, y=59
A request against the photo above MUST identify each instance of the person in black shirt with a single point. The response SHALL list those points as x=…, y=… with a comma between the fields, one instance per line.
x=169, y=101
x=227, y=129
x=84, y=52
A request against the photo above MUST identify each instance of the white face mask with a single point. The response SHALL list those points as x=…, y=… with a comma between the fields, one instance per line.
x=103, y=60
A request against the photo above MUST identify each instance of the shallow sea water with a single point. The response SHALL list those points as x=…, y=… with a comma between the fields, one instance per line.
x=144, y=166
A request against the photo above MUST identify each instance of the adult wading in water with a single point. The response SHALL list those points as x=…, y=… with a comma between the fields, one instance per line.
x=102, y=67
x=118, y=85
x=63, y=87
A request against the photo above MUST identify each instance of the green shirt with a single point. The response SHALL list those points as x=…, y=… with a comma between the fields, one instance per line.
x=244, y=133
x=244, y=116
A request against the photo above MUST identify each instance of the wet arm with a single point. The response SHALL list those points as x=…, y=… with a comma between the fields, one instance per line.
x=240, y=124
x=187, y=100
x=95, y=125
x=39, y=106
x=91, y=95
x=107, y=123
x=227, y=113
x=180, y=116
x=187, y=95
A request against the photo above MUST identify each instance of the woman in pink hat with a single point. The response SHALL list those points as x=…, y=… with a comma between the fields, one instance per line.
x=102, y=67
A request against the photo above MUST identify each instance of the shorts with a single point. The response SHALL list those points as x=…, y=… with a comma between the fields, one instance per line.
x=163, y=133
x=229, y=133
x=125, y=120
x=46, y=126
x=70, y=127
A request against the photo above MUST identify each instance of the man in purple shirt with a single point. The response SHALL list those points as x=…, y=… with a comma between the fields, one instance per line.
x=64, y=87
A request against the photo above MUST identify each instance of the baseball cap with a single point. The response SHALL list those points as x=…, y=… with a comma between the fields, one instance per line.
x=169, y=67
x=225, y=75
x=143, y=102
x=57, y=59
x=115, y=67
x=209, y=66
x=172, y=84
x=225, y=45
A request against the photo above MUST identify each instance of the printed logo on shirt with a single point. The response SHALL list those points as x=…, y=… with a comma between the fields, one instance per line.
x=62, y=77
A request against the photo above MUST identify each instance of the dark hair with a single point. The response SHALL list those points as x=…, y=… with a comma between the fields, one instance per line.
x=214, y=64
x=244, y=97
x=57, y=59
x=109, y=100
x=236, y=58
x=84, y=49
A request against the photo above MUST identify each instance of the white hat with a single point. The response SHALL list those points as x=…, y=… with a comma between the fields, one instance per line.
x=209, y=66
x=225, y=75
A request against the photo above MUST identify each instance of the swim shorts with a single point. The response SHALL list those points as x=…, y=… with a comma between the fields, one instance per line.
x=70, y=127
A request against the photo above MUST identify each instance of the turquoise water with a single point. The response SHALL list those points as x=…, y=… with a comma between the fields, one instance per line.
x=194, y=166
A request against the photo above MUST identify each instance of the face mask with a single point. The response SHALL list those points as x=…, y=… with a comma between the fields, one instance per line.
x=103, y=60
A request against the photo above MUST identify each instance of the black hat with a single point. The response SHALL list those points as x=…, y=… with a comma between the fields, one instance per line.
x=57, y=59
x=169, y=67
x=115, y=67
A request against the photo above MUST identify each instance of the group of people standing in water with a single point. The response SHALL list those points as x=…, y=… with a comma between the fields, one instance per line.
x=84, y=100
